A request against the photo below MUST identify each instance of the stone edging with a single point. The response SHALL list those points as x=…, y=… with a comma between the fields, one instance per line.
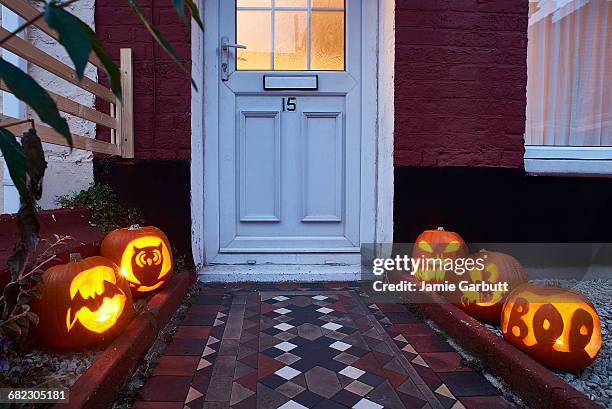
x=535, y=384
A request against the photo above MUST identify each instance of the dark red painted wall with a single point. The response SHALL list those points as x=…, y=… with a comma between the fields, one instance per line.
x=461, y=72
x=161, y=91
x=459, y=92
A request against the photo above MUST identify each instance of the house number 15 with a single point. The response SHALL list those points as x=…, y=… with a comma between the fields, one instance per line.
x=289, y=104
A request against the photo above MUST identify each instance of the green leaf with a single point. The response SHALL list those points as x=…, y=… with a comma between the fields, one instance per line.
x=35, y=292
x=159, y=38
x=110, y=67
x=71, y=36
x=195, y=13
x=27, y=90
x=179, y=5
x=15, y=159
x=79, y=40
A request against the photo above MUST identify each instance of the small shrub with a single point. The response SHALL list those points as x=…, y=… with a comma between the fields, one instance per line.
x=108, y=212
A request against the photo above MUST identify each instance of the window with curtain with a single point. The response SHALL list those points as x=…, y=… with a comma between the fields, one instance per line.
x=569, y=87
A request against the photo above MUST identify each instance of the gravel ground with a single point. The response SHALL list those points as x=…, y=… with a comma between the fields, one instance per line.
x=596, y=380
x=43, y=368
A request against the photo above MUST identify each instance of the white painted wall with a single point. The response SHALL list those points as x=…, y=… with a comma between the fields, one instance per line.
x=11, y=106
x=67, y=172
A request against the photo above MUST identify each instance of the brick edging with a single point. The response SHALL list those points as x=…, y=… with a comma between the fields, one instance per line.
x=97, y=387
x=532, y=382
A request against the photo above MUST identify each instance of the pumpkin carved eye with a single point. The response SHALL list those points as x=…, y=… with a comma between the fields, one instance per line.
x=423, y=245
x=452, y=247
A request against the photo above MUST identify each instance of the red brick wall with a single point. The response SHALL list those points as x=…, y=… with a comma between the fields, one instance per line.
x=461, y=72
x=161, y=90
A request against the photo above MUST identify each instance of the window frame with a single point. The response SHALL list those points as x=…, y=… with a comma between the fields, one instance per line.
x=568, y=160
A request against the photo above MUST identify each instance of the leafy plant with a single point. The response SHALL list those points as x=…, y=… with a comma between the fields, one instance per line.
x=25, y=160
x=107, y=211
x=180, y=261
x=15, y=314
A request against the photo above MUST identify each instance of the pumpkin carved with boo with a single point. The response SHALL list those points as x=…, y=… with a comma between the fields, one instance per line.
x=557, y=327
x=82, y=303
x=143, y=255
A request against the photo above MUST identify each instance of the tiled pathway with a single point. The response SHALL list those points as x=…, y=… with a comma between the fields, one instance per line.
x=312, y=346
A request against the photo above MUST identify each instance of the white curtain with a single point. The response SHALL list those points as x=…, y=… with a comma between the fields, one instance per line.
x=569, y=67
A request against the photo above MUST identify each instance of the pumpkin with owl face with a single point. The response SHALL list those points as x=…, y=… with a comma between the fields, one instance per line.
x=143, y=255
x=498, y=268
x=82, y=303
x=557, y=327
x=435, y=248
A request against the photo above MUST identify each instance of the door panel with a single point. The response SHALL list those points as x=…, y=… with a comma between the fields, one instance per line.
x=323, y=166
x=289, y=160
x=260, y=157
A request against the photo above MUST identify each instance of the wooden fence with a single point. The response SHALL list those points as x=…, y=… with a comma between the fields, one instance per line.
x=121, y=118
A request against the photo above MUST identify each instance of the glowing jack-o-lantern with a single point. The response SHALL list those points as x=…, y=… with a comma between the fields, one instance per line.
x=436, y=248
x=143, y=255
x=499, y=268
x=83, y=303
x=557, y=327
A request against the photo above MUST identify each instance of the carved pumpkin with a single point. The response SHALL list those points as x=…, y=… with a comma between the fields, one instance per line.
x=143, y=255
x=498, y=268
x=557, y=327
x=436, y=247
x=83, y=303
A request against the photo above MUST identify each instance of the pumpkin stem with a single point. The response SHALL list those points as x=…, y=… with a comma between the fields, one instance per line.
x=134, y=227
x=75, y=257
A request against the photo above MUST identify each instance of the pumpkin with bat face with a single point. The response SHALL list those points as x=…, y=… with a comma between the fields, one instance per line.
x=82, y=303
x=143, y=255
x=557, y=327
x=498, y=268
x=435, y=248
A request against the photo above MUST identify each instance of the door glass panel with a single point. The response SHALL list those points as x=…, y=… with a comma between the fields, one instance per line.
x=327, y=40
x=254, y=3
x=254, y=31
x=290, y=40
x=336, y=4
x=289, y=35
x=291, y=3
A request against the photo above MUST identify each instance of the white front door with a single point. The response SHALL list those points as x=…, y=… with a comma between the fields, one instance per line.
x=289, y=118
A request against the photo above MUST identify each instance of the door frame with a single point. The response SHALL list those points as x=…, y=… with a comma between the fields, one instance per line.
x=376, y=213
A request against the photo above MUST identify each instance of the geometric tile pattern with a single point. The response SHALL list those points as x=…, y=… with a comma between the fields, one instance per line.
x=315, y=345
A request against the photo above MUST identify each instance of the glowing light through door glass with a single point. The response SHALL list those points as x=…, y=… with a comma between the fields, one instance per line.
x=290, y=35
